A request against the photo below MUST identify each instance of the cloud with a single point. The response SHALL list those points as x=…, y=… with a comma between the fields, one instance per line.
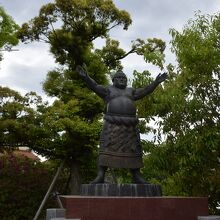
x=23, y=10
x=24, y=70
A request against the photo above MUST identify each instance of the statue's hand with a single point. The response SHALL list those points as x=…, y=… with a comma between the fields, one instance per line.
x=82, y=70
x=161, y=77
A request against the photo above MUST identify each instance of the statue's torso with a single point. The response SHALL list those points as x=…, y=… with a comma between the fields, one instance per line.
x=120, y=102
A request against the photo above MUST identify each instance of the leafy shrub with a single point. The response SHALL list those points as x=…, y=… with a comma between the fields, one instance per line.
x=23, y=184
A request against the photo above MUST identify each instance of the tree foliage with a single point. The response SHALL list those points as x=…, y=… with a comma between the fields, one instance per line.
x=23, y=184
x=81, y=23
x=71, y=126
x=18, y=115
x=8, y=29
x=187, y=163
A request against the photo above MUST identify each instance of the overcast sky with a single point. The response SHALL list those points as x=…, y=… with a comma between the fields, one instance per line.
x=26, y=69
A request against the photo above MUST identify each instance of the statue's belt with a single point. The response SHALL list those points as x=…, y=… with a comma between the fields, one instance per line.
x=121, y=120
x=119, y=154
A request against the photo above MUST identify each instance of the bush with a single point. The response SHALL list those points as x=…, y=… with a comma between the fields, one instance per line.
x=23, y=185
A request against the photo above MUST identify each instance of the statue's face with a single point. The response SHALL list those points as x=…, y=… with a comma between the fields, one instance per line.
x=120, y=81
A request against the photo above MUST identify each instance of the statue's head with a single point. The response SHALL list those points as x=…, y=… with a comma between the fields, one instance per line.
x=119, y=80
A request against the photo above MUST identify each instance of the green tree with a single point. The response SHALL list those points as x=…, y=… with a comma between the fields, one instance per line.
x=18, y=117
x=71, y=125
x=187, y=162
x=8, y=29
x=23, y=184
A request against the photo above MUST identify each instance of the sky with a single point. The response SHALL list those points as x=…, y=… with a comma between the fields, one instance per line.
x=26, y=69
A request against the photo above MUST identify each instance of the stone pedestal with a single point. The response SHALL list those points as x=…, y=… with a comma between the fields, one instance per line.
x=132, y=190
x=134, y=208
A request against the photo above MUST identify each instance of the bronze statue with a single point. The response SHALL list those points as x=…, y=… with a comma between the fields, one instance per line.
x=120, y=139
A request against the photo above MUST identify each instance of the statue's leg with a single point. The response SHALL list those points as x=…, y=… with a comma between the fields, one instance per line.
x=137, y=179
x=101, y=175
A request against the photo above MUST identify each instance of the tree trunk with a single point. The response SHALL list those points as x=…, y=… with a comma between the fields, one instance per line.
x=75, y=179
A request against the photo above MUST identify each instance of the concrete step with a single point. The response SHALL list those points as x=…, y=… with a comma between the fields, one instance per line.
x=210, y=217
x=65, y=219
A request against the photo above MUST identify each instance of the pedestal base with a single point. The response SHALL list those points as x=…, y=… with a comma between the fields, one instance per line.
x=133, y=190
x=134, y=208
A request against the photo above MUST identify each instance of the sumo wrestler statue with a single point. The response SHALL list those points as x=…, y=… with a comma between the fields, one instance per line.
x=120, y=145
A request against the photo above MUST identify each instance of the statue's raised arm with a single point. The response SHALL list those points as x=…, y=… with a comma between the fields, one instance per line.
x=142, y=92
x=91, y=83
